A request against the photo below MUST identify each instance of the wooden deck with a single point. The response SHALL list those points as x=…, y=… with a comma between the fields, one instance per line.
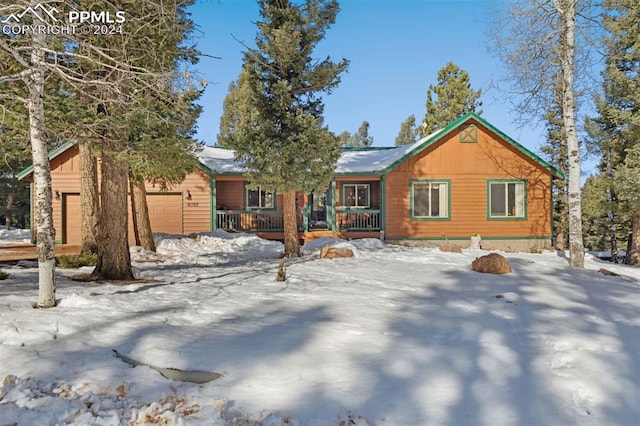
x=12, y=253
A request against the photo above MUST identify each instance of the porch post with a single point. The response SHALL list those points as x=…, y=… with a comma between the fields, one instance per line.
x=383, y=206
x=305, y=213
x=214, y=211
x=331, y=204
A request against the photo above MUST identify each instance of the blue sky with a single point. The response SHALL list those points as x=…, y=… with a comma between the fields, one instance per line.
x=395, y=50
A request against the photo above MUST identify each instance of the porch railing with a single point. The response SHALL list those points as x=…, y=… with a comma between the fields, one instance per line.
x=255, y=221
x=358, y=220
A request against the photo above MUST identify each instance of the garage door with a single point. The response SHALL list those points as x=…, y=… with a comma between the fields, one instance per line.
x=71, y=219
x=165, y=212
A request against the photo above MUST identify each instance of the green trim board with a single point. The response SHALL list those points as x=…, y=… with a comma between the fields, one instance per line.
x=331, y=212
x=213, y=217
x=455, y=124
x=525, y=206
x=383, y=204
x=412, y=216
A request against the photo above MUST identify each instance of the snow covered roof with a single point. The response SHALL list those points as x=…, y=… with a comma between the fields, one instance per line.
x=374, y=160
x=219, y=160
x=365, y=160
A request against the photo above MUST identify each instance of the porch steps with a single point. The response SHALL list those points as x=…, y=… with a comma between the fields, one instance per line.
x=313, y=235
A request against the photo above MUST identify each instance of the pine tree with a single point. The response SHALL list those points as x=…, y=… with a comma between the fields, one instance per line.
x=450, y=98
x=359, y=139
x=345, y=138
x=555, y=150
x=616, y=129
x=286, y=147
x=627, y=182
x=408, y=132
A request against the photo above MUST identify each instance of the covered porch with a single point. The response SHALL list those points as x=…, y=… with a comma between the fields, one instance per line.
x=349, y=208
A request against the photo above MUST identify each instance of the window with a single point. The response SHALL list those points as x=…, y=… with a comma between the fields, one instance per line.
x=355, y=195
x=260, y=199
x=507, y=199
x=430, y=199
x=469, y=134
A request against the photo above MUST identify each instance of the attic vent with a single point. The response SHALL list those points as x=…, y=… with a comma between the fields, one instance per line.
x=469, y=134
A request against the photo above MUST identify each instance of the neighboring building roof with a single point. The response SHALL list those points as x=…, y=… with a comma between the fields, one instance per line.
x=372, y=160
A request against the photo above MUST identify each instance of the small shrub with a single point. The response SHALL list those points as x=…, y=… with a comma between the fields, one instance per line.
x=77, y=261
x=3, y=275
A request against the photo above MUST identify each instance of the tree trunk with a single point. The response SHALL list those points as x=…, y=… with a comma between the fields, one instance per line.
x=633, y=254
x=567, y=11
x=88, y=199
x=42, y=177
x=114, y=261
x=141, y=222
x=291, y=243
x=9, y=207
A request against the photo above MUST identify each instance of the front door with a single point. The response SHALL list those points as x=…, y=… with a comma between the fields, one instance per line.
x=318, y=211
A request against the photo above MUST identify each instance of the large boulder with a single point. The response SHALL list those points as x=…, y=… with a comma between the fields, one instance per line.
x=450, y=247
x=492, y=263
x=335, y=252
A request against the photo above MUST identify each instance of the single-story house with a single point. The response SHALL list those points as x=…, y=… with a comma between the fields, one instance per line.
x=467, y=178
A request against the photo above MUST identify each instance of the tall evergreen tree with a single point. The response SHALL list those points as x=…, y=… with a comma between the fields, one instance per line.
x=627, y=178
x=555, y=150
x=615, y=131
x=286, y=147
x=359, y=139
x=362, y=137
x=345, y=138
x=408, y=132
x=450, y=98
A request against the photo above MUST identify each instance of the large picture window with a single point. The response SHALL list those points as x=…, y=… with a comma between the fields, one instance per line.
x=430, y=199
x=507, y=199
x=260, y=199
x=356, y=195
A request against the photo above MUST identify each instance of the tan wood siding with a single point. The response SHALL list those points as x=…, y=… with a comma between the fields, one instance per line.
x=468, y=166
x=71, y=232
x=195, y=213
x=230, y=195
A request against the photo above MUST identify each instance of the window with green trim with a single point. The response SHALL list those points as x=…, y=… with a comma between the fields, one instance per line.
x=259, y=199
x=507, y=199
x=430, y=199
x=356, y=195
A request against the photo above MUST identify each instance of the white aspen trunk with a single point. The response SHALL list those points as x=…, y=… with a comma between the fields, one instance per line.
x=42, y=177
x=567, y=10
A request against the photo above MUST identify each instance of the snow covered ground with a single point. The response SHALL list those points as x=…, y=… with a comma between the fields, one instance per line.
x=14, y=236
x=393, y=336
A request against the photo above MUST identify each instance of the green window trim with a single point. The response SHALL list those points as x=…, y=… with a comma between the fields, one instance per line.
x=343, y=203
x=525, y=210
x=272, y=195
x=412, y=214
x=469, y=134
